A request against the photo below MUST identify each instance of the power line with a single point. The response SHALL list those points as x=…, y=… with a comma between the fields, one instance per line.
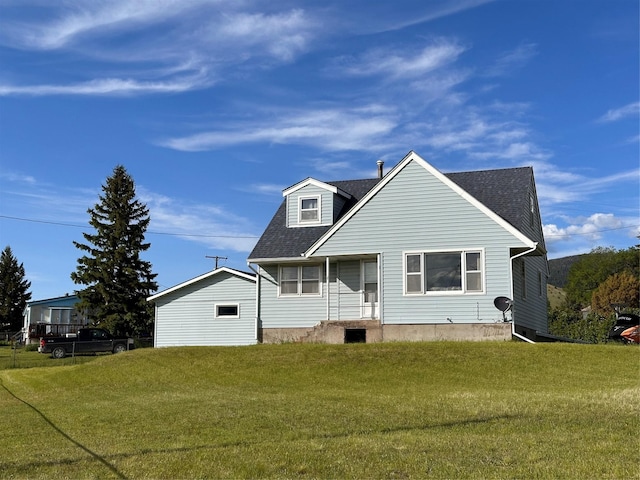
x=590, y=233
x=255, y=236
x=31, y=220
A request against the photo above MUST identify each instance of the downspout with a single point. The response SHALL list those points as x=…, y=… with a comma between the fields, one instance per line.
x=513, y=322
x=257, y=317
x=379, y=273
x=328, y=289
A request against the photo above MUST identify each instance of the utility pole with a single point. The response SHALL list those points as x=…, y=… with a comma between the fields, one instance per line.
x=216, y=258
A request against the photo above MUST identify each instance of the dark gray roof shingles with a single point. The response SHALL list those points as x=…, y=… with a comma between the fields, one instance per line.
x=500, y=190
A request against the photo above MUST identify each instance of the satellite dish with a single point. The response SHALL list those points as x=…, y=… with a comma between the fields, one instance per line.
x=504, y=304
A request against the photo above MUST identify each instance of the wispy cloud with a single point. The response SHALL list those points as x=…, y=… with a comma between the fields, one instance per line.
x=556, y=186
x=327, y=129
x=209, y=225
x=110, y=87
x=15, y=177
x=399, y=63
x=150, y=40
x=514, y=59
x=630, y=110
x=389, y=19
x=71, y=21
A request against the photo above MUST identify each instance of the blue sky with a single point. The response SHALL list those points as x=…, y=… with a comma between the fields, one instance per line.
x=214, y=107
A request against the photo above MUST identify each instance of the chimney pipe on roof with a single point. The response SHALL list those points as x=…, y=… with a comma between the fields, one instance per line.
x=380, y=165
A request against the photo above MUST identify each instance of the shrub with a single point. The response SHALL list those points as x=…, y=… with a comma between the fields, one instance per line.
x=571, y=324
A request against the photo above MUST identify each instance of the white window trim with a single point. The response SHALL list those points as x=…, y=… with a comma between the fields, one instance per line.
x=216, y=306
x=318, y=199
x=363, y=283
x=404, y=273
x=463, y=291
x=299, y=282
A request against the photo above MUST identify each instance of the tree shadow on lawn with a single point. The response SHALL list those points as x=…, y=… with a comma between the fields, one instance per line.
x=223, y=445
x=65, y=435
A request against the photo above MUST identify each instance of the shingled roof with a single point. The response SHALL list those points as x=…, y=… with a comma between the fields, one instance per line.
x=278, y=241
x=499, y=190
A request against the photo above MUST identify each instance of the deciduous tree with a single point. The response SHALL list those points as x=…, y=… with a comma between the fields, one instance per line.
x=117, y=280
x=620, y=288
x=14, y=290
x=594, y=268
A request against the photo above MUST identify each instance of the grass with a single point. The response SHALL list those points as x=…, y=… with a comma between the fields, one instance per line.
x=436, y=410
x=22, y=357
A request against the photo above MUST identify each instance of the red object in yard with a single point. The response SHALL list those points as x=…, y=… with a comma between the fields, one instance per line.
x=632, y=335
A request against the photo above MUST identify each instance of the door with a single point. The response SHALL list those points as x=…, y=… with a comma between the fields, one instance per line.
x=370, y=289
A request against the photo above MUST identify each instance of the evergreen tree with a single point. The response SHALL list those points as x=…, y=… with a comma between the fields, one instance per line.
x=117, y=280
x=14, y=293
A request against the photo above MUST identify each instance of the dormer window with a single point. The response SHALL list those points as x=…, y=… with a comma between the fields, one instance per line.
x=309, y=209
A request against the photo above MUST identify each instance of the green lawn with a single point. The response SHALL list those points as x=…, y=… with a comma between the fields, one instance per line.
x=22, y=358
x=437, y=410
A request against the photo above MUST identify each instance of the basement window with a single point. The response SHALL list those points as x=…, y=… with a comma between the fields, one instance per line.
x=355, y=335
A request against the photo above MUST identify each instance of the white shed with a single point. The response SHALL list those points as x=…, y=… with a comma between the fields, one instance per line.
x=217, y=308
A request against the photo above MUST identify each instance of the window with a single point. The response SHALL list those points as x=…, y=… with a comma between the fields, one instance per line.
x=370, y=281
x=229, y=310
x=300, y=280
x=309, y=209
x=456, y=272
x=540, y=284
x=414, y=273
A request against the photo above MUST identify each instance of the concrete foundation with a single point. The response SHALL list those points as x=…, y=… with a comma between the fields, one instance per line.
x=334, y=332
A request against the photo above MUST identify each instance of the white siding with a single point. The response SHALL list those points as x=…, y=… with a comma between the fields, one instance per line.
x=415, y=211
x=187, y=316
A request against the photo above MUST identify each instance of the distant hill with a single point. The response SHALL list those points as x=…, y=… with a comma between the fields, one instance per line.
x=559, y=270
x=555, y=297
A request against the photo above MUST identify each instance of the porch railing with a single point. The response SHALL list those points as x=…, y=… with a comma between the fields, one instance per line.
x=53, y=329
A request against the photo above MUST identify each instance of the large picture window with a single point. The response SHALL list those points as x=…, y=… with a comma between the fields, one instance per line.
x=300, y=280
x=438, y=272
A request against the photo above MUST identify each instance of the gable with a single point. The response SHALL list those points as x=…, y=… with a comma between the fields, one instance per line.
x=208, y=278
x=280, y=242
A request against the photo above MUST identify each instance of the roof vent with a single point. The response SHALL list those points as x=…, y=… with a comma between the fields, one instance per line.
x=380, y=165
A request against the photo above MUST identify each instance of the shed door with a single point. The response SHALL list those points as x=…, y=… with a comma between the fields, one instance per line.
x=370, y=289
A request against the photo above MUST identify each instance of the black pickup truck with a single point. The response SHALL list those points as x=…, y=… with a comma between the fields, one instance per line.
x=86, y=340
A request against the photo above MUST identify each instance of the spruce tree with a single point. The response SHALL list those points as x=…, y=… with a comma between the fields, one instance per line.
x=117, y=280
x=14, y=293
